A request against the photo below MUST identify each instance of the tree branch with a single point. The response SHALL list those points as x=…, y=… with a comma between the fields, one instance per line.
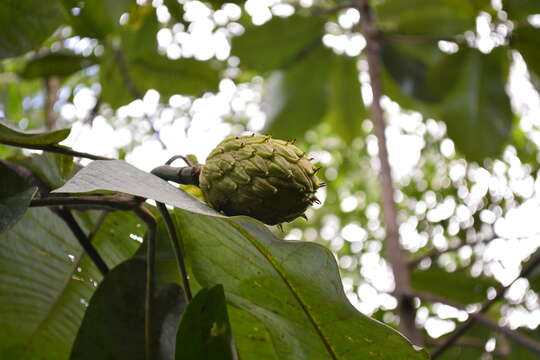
x=52, y=84
x=519, y=338
x=84, y=241
x=118, y=201
x=500, y=291
x=394, y=253
x=58, y=149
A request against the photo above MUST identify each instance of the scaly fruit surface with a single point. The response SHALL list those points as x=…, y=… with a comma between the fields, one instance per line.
x=268, y=179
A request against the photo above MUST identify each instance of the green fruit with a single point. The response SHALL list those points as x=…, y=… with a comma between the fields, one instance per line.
x=268, y=179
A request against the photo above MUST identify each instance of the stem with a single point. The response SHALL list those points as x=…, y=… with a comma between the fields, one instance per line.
x=90, y=250
x=150, y=221
x=116, y=202
x=177, y=248
x=394, y=253
x=58, y=149
x=519, y=338
x=501, y=290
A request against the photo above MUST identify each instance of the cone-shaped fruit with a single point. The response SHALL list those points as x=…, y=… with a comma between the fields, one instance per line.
x=268, y=179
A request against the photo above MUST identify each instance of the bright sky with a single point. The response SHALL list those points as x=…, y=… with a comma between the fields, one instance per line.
x=188, y=126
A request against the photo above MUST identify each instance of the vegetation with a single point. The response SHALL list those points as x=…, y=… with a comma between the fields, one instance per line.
x=423, y=116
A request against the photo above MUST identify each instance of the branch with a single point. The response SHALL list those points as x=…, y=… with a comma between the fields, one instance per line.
x=394, y=253
x=146, y=216
x=500, y=291
x=118, y=201
x=519, y=338
x=177, y=248
x=59, y=149
x=84, y=241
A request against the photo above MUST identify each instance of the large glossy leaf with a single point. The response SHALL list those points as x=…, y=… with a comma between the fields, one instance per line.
x=526, y=40
x=96, y=18
x=56, y=64
x=113, y=324
x=296, y=99
x=15, y=197
x=205, y=331
x=119, y=176
x=430, y=18
x=46, y=280
x=519, y=10
x=251, y=336
x=477, y=112
x=10, y=136
x=24, y=24
x=465, y=289
x=289, y=38
x=346, y=110
x=292, y=287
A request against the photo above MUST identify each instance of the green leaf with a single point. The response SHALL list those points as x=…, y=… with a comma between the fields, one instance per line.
x=13, y=107
x=292, y=287
x=113, y=324
x=278, y=43
x=297, y=98
x=205, y=331
x=169, y=77
x=176, y=10
x=34, y=140
x=119, y=176
x=252, y=339
x=56, y=64
x=409, y=66
x=465, y=289
x=430, y=18
x=24, y=24
x=46, y=280
x=96, y=18
x=15, y=197
x=477, y=111
x=519, y=10
x=346, y=110
x=526, y=40
x=50, y=168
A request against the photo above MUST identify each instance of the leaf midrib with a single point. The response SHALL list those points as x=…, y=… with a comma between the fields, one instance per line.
x=293, y=291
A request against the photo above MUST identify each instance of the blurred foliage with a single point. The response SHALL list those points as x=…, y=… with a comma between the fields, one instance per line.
x=447, y=83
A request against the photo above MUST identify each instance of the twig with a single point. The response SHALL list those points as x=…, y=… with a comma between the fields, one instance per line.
x=519, y=338
x=59, y=149
x=150, y=221
x=177, y=248
x=394, y=253
x=116, y=202
x=500, y=291
x=84, y=241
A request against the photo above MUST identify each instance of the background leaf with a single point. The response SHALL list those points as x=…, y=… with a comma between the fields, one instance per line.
x=464, y=288
x=46, y=280
x=296, y=100
x=56, y=64
x=25, y=24
x=113, y=324
x=15, y=197
x=301, y=33
x=477, y=112
x=10, y=136
x=205, y=331
x=96, y=18
x=346, y=110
